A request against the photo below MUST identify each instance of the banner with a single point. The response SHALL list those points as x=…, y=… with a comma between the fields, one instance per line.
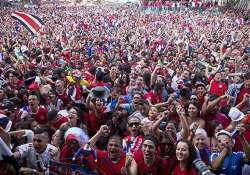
x=60, y=168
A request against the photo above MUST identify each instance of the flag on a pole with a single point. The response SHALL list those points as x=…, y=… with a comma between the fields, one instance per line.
x=31, y=22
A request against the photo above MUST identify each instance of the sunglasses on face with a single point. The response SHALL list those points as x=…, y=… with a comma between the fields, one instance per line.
x=133, y=124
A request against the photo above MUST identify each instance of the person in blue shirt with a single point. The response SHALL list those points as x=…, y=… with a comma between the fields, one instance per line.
x=226, y=161
x=134, y=105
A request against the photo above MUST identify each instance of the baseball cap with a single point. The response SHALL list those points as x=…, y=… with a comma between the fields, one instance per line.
x=223, y=132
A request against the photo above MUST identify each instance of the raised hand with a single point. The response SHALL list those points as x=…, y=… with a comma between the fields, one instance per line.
x=104, y=129
x=240, y=127
x=180, y=110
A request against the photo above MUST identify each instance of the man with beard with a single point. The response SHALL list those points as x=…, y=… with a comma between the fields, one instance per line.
x=110, y=161
x=38, y=153
x=147, y=161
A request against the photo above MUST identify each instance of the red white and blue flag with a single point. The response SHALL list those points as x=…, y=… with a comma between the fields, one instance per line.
x=31, y=22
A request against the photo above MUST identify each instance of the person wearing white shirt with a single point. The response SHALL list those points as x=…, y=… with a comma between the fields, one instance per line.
x=38, y=153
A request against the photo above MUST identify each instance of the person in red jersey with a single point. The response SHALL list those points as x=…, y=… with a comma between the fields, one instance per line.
x=61, y=91
x=97, y=114
x=155, y=96
x=186, y=154
x=217, y=86
x=111, y=161
x=33, y=110
x=147, y=161
x=132, y=143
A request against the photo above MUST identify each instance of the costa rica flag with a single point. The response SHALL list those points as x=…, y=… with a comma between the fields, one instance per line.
x=31, y=22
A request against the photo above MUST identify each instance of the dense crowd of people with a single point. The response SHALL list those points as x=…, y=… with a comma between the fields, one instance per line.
x=119, y=91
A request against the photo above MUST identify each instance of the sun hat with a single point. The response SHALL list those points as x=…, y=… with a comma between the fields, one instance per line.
x=235, y=114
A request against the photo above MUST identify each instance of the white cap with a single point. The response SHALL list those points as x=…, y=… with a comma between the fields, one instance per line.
x=223, y=132
x=235, y=114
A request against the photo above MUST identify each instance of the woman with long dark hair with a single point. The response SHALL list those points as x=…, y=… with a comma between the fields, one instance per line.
x=75, y=118
x=194, y=117
x=185, y=154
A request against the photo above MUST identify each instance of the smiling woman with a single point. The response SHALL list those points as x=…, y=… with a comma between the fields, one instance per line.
x=186, y=154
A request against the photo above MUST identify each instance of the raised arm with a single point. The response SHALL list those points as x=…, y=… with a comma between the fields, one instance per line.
x=103, y=129
x=243, y=102
x=212, y=104
x=184, y=125
x=245, y=144
x=156, y=124
x=154, y=75
x=89, y=104
x=216, y=164
x=132, y=169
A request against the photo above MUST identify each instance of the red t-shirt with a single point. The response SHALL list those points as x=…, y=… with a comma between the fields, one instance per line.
x=60, y=121
x=41, y=115
x=241, y=94
x=201, y=102
x=177, y=171
x=218, y=88
x=95, y=123
x=153, y=98
x=223, y=119
x=171, y=160
x=64, y=97
x=106, y=166
x=159, y=167
x=238, y=145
